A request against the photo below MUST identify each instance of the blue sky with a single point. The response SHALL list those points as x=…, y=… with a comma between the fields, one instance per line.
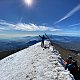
x=59, y=17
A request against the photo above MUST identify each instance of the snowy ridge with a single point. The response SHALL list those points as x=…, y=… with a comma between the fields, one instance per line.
x=34, y=63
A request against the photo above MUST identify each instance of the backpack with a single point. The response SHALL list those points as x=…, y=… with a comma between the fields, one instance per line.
x=70, y=67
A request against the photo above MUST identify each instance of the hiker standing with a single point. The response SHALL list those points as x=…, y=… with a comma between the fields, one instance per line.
x=42, y=38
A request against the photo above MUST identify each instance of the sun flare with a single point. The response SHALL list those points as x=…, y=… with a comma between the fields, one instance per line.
x=28, y=2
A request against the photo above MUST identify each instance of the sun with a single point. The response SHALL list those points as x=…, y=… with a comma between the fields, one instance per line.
x=28, y=2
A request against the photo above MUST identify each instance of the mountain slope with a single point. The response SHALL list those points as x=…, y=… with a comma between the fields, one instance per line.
x=34, y=63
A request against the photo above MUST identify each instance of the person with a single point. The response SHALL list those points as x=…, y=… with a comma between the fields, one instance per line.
x=68, y=61
x=73, y=68
x=69, y=64
x=70, y=67
x=42, y=38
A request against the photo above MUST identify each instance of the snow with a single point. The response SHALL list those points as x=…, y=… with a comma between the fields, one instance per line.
x=34, y=63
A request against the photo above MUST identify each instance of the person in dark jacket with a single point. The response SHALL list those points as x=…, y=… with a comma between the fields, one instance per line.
x=68, y=61
x=74, y=69
x=42, y=38
x=72, y=66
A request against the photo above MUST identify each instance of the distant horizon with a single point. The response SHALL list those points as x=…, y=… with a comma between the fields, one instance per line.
x=17, y=37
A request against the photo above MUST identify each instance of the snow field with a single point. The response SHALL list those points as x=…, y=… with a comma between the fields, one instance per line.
x=34, y=63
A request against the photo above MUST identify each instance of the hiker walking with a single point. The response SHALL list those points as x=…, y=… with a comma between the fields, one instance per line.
x=42, y=40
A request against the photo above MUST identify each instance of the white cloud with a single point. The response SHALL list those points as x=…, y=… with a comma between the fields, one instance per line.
x=2, y=22
x=2, y=29
x=26, y=27
x=33, y=27
x=75, y=24
x=77, y=8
